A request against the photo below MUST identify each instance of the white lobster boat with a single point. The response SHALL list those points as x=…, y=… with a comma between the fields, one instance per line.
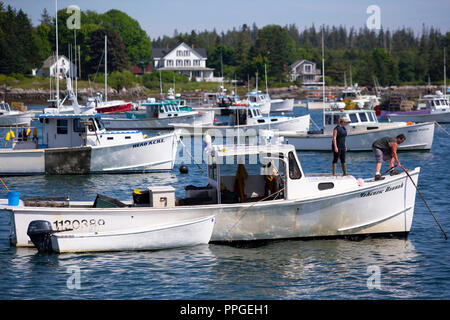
x=430, y=108
x=247, y=205
x=11, y=118
x=281, y=105
x=79, y=144
x=362, y=131
x=245, y=120
x=158, y=115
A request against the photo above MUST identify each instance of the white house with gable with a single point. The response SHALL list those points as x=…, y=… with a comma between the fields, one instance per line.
x=48, y=68
x=307, y=72
x=184, y=59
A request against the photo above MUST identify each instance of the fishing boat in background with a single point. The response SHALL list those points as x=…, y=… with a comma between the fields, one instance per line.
x=111, y=106
x=259, y=98
x=281, y=105
x=362, y=130
x=430, y=108
x=12, y=118
x=246, y=204
x=245, y=120
x=158, y=115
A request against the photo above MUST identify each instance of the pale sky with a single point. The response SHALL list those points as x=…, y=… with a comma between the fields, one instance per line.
x=162, y=17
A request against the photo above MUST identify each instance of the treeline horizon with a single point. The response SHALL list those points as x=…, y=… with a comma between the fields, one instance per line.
x=391, y=57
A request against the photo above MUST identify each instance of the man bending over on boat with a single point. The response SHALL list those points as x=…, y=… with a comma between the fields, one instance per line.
x=386, y=149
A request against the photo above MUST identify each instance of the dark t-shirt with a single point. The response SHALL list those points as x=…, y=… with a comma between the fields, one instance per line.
x=340, y=138
x=383, y=144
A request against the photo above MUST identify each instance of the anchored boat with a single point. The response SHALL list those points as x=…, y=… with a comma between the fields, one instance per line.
x=429, y=108
x=257, y=192
x=155, y=236
x=158, y=115
x=79, y=144
x=362, y=131
x=245, y=120
x=10, y=118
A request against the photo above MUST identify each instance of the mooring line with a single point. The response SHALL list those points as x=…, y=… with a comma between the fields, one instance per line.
x=429, y=209
x=442, y=128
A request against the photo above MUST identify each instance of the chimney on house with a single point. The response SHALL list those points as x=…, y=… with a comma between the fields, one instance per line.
x=167, y=48
x=192, y=46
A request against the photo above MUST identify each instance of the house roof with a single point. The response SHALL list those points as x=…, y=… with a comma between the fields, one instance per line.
x=51, y=61
x=298, y=62
x=162, y=52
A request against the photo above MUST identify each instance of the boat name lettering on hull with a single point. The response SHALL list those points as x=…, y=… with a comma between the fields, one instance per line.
x=374, y=193
x=147, y=143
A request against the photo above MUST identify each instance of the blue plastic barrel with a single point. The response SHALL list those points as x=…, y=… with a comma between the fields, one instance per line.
x=13, y=198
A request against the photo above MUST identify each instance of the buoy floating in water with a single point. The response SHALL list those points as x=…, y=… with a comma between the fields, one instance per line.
x=184, y=169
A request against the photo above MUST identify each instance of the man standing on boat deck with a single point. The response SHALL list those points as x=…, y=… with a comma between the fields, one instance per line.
x=338, y=146
x=386, y=149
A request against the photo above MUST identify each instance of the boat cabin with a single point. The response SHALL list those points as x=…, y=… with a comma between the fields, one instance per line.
x=76, y=130
x=437, y=102
x=257, y=97
x=358, y=118
x=4, y=108
x=242, y=173
x=245, y=115
x=161, y=110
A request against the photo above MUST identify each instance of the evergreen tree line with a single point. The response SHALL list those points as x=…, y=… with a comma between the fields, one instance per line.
x=23, y=47
x=392, y=57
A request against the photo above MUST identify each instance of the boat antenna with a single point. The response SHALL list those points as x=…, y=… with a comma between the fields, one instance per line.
x=256, y=81
x=345, y=79
x=75, y=65
x=56, y=56
x=265, y=74
x=351, y=80
x=323, y=80
x=160, y=84
x=445, y=77
x=106, y=68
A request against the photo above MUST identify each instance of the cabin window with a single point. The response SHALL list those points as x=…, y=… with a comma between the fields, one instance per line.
x=363, y=117
x=328, y=119
x=336, y=119
x=294, y=169
x=78, y=126
x=370, y=116
x=61, y=126
x=91, y=125
x=325, y=186
x=353, y=118
x=161, y=109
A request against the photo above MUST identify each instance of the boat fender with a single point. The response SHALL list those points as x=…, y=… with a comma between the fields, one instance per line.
x=40, y=232
x=360, y=182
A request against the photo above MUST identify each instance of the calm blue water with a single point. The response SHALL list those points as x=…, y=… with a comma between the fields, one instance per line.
x=416, y=268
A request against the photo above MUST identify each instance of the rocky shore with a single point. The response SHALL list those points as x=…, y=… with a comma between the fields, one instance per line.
x=40, y=96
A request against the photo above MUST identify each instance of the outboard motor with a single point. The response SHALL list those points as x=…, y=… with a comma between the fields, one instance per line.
x=40, y=233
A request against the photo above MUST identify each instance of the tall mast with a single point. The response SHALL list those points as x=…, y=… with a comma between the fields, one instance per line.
x=265, y=74
x=75, y=64
x=57, y=57
x=323, y=81
x=106, y=68
x=445, y=76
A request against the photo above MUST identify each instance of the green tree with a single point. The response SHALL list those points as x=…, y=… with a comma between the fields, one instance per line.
x=275, y=43
x=117, y=60
x=137, y=43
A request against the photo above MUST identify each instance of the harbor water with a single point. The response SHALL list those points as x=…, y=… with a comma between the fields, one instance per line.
x=414, y=268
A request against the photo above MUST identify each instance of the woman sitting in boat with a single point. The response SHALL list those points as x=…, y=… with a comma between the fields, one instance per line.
x=338, y=146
